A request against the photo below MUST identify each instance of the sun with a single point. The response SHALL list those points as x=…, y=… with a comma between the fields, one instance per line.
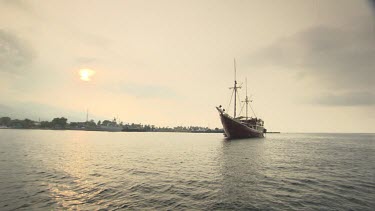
x=86, y=74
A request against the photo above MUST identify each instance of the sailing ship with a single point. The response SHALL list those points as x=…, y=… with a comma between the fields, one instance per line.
x=241, y=126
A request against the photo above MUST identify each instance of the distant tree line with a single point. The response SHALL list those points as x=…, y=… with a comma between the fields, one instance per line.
x=62, y=123
x=16, y=123
x=58, y=123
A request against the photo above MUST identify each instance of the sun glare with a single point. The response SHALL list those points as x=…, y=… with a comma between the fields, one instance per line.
x=86, y=74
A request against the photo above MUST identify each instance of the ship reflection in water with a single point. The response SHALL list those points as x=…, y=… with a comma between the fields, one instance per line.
x=91, y=170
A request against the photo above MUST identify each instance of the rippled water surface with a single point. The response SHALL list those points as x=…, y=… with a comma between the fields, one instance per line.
x=159, y=171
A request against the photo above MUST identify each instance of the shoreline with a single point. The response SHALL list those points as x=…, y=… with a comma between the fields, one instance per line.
x=100, y=130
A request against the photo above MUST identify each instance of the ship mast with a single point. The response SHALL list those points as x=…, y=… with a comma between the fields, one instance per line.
x=235, y=89
x=246, y=101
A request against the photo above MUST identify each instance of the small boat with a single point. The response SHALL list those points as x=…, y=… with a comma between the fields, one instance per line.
x=241, y=126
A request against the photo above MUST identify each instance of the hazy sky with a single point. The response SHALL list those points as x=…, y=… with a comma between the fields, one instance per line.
x=310, y=65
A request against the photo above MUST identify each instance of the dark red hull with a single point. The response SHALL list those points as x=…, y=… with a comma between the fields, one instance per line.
x=234, y=129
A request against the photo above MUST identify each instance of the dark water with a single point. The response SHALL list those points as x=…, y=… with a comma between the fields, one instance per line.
x=44, y=170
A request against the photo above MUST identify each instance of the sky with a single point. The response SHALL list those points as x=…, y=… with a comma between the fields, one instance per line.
x=310, y=65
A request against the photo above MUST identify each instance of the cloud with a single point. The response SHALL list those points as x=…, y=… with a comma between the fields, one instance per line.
x=85, y=60
x=339, y=57
x=346, y=99
x=372, y=3
x=17, y=3
x=146, y=91
x=15, y=55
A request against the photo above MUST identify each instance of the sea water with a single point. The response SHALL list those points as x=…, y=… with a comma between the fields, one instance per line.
x=44, y=170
